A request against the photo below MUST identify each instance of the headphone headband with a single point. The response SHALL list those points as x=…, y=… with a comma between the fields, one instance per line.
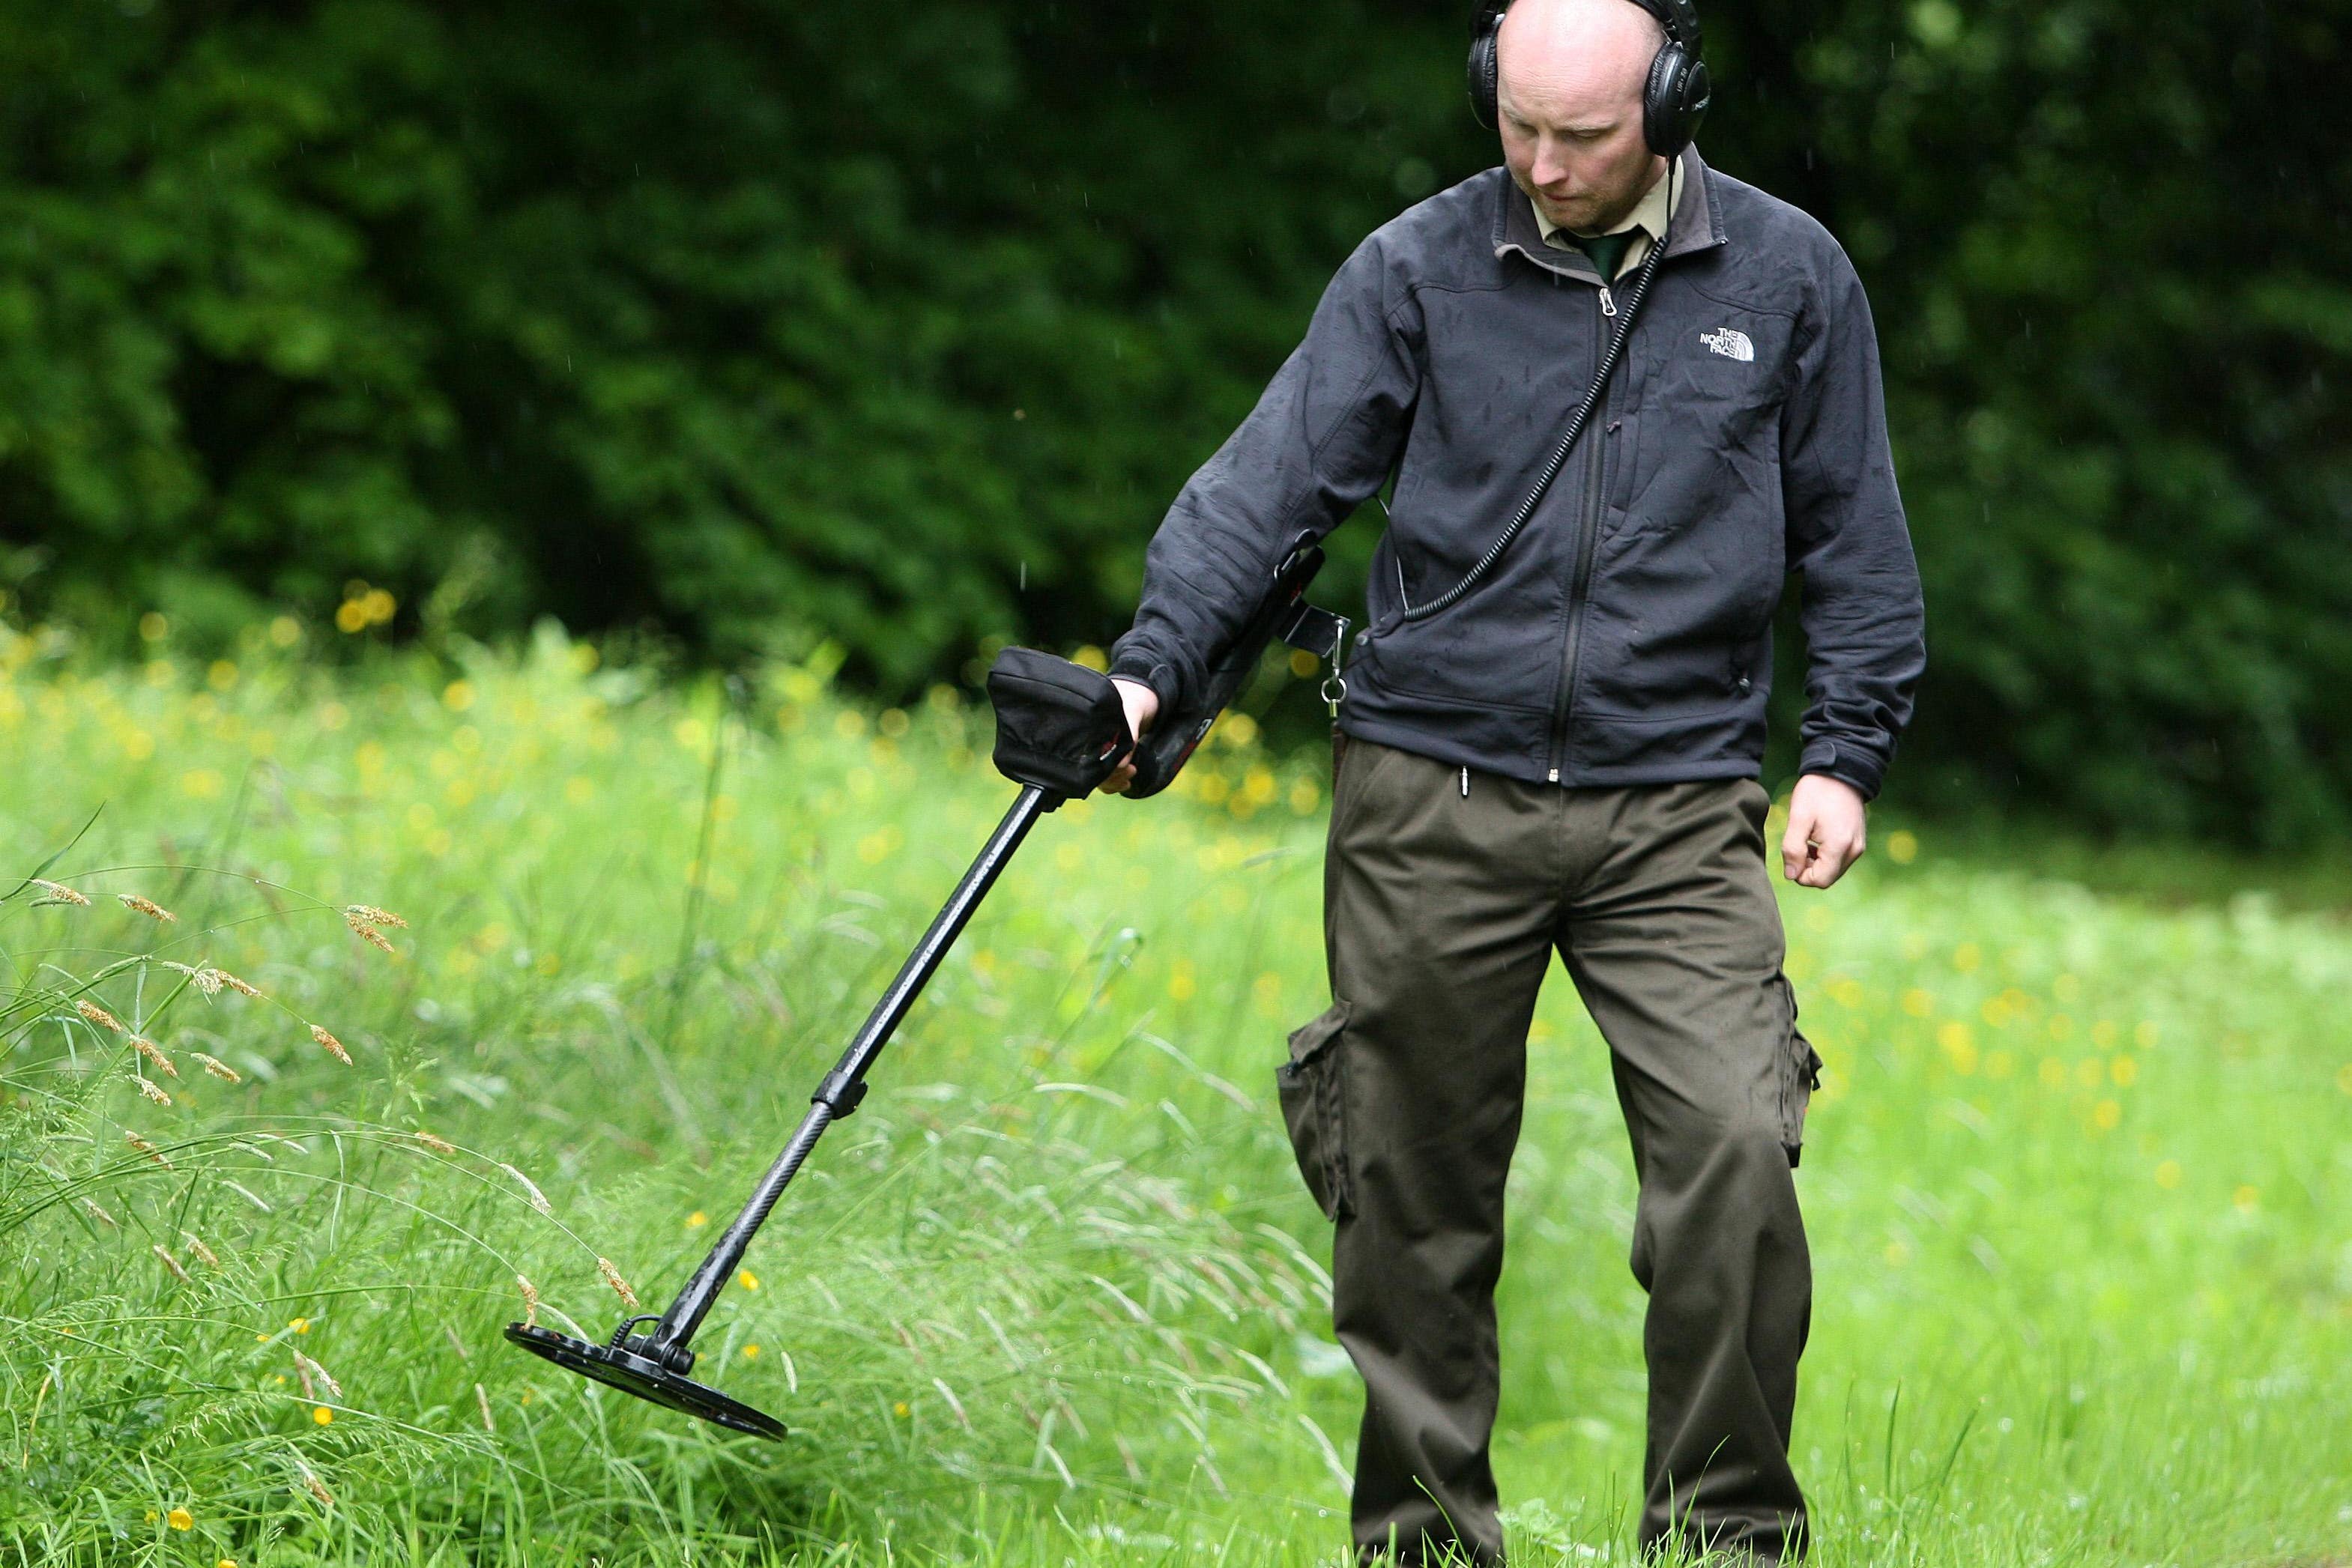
x=1678, y=17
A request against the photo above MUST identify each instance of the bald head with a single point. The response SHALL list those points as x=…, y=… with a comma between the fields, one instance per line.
x=1569, y=85
x=1576, y=58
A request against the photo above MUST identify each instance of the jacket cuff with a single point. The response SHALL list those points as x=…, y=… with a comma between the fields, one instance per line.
x=1136, y=664
x=1849, y=764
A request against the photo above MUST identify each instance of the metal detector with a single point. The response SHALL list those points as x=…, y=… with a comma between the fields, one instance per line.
x=1061, y=730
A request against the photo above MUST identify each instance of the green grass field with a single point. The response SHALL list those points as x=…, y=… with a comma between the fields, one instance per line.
x=2079, y=1183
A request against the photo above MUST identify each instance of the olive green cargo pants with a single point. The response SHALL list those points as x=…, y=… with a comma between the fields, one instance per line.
x=1445, y=894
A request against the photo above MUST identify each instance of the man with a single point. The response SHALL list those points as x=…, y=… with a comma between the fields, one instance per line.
x=1564, y=752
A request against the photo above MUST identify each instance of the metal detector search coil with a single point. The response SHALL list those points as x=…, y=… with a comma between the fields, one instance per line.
x=647, y=1379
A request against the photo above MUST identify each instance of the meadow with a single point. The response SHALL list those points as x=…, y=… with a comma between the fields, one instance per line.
x=358, y=1012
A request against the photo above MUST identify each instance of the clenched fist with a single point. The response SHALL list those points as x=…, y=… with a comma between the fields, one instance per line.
x=1828, y=831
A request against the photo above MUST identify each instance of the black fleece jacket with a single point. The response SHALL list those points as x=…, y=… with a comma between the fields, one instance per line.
x=1625, y=636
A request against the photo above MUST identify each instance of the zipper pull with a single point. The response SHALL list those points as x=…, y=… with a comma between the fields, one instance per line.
x=1608, y=302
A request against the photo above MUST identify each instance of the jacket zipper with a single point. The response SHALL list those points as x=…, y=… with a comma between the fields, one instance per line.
x=1588, y=532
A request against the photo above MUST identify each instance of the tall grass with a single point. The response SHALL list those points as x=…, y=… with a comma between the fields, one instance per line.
x=2077, y=1184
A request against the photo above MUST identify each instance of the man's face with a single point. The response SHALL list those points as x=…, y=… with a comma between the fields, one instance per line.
x=1568, y=101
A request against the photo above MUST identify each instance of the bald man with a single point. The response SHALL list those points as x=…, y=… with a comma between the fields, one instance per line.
x=1552, y=740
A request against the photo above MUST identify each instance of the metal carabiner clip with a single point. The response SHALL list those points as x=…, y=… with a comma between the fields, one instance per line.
x=1335, y=684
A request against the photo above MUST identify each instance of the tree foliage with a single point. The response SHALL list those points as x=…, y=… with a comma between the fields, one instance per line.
x=747, y=320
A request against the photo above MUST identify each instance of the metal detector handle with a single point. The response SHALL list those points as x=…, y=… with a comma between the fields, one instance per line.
x=1162, y=753
x=838, y=1094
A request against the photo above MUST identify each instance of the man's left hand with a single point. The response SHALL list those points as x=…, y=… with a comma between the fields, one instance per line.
x=1828, y=831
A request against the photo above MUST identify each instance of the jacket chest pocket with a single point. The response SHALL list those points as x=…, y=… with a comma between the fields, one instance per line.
x=1711, y=391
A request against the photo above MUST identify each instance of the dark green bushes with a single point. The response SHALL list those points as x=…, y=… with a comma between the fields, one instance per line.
x=747, y=322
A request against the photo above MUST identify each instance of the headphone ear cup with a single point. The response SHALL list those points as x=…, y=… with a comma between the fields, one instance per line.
x=1667, y=120
x=1699, y=93
x=1482, y=84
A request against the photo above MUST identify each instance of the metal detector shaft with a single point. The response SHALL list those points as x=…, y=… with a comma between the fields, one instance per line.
x=845, y=1086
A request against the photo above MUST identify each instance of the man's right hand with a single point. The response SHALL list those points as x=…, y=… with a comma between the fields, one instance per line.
x=1142, y=707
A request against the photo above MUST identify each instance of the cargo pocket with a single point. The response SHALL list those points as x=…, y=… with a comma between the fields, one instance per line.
x=1312, y=1085
x=1800, y=1075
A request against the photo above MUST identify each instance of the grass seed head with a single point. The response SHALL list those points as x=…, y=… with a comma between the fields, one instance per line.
x=194, y=1244
x=538, y=1198
x=59, y=893
x=144, y=1148
x=204, y=977
x=529, y=1302
x=482, y=1397
x=310, y=1369
x=96, y=1212
x=334, y=1046
x=154, y=1053
x=317, y=1488
x=153, y=1090
x=234, y=984
x=218, y=1069
x=438, y=1145
x=171, y=1263
x=370, y=915
x=147, y=906
x=99, y=1016
x=369, y=935
x=620, y=1286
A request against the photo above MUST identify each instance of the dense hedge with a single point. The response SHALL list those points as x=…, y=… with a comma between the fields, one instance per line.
x=738, y=319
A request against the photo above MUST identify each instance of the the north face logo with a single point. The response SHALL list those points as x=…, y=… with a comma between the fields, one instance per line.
x=1730, y=344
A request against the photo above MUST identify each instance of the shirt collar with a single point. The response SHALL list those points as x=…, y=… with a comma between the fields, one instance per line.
x=1697, y=225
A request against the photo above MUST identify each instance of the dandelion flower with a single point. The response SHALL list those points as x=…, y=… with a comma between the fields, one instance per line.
x=334, y=1046
x=438, y=1145
x=99, y=1016
x=217, y=1068
x=154, y=1053
x=696, y=1220
x=372, y=915
x=299, y=1325
x=900, y=1409
x=234, y=984
x=144, y=1148
x=180, y=1519
x=171, y=1263
x=750, y=1353
x=529, y=1302
x=59, y=893
x=147, y=906
x=194, y=1244
x=613, y=1278
x=153, y=1090
x=323, y=1416
x=538, y=1198
x=748, y=1279
x=369, y=935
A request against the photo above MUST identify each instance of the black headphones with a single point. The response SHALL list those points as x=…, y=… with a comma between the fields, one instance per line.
x=1673, y=103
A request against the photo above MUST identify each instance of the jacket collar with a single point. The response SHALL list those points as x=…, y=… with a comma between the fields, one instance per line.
x=1697, y=224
